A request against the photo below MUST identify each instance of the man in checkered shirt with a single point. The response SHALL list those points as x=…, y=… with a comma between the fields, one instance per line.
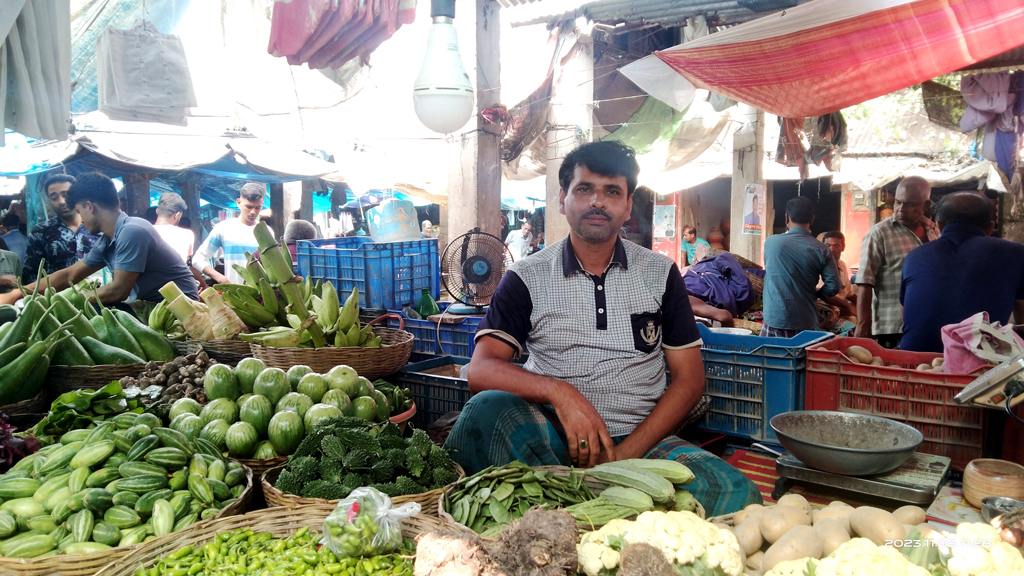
x=879, y=314
x=601, y=317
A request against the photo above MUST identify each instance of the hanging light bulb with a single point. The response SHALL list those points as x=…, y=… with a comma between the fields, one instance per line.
x=442, y=95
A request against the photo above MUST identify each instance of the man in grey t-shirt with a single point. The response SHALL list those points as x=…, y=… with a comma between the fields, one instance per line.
x=140, y=260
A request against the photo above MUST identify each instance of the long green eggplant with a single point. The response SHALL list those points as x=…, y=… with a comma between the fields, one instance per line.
x=104, y=353
x=118, y=336
x=156, y=346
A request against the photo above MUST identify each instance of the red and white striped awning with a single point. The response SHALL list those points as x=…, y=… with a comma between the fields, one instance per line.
x=826, y=55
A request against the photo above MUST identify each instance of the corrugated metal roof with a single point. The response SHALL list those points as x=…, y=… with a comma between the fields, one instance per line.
x=664, y=12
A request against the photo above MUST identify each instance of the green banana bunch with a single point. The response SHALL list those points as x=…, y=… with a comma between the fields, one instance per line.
x=284, y=337
x=266, y=292
x=244, y=273
x=162, y=321
x=349, y=312
x=330, y=299
x=248, y=309
x=223, y=288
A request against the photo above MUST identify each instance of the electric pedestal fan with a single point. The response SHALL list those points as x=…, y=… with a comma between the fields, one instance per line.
x=471, y=267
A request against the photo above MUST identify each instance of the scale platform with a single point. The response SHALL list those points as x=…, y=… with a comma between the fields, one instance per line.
x=918, y=481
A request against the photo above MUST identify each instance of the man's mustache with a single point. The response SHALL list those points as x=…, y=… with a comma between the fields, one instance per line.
x=596, y=212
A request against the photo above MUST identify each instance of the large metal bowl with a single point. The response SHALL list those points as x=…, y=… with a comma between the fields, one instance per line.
x=846, y=443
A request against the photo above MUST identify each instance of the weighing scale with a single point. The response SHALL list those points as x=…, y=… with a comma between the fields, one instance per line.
x=917, y=481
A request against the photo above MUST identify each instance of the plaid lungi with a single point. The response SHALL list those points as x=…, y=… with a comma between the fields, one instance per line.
x=496, y=428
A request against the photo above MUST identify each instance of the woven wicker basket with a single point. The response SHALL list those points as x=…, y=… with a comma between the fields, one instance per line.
x=372, y=363
x=280, y=522
x=274, y=497
x=224, y=351
x=563, y=471
x=61, y=379
x=90, y=564
x=260, y=466
x=726, y=519
x=754, y=327
x=756, y=282
x=35, y=405
x=743, y=261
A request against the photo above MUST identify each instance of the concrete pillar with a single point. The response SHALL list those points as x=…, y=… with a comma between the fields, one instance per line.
x=291, y=203
x=136, y=187
x=570, y=123
x=747, y=155
x=474, y=177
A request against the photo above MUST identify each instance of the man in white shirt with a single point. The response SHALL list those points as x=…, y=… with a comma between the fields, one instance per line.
x=519, y=241
x=846, y=300
x=168, y=214
x=235, y=237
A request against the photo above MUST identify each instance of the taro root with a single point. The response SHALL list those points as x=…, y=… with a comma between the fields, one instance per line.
x=541, y=543
x=641, y=559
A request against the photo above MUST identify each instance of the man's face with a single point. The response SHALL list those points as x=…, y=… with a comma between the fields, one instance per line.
x=526, y=230
x=87, y=210
x=57, y=194
x=755, y=205
x=836, y=245
x=250, y=210
x=910, y=206
x=690, y=236
x=595, y=206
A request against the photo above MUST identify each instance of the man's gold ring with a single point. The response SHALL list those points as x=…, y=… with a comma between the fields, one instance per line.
x=583, y=443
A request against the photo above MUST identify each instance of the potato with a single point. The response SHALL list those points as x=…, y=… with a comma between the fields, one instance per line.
x=752, y=511
x=749, y=535
x=910, y=515
x=859, y=353
x=938, y=362
x=877, y=361
x=831, y=533
x=754, y=563
x=795, y=500
x=840, y=514
x=777, y=521
x=839, y=503
x=924, y=367
x=799, y=542
x=876, y=525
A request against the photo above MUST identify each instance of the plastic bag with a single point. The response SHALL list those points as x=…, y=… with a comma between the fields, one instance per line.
x=366, y=524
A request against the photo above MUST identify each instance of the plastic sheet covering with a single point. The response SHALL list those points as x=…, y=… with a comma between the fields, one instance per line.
x=35, y=67
x=652, y=124
x=827, y=55
x=143, y=75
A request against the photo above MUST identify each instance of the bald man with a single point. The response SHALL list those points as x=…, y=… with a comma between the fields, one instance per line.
x=879, y=314
x=960, y=274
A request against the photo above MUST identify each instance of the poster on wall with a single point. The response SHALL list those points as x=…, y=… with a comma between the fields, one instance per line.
x=753, y=209
x=664, y=222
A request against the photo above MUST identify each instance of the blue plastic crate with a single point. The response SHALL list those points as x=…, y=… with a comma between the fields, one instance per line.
x=388, y=274
x=455, y=339
x=436, y=387
x=750, y=379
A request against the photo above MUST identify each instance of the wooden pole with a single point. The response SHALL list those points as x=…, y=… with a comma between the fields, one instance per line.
x=190, y=194
x=137, y=190
x=277, y=216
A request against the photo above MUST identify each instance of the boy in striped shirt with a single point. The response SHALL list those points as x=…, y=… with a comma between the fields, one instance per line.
x=235, y=237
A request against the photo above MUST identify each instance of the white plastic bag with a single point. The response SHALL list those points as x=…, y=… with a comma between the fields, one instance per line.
x=366, y=524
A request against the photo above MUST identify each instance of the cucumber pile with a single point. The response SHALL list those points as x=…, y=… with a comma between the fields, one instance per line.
x=125, y=481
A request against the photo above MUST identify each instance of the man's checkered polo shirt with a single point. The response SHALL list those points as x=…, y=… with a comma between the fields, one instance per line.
x=602, y=334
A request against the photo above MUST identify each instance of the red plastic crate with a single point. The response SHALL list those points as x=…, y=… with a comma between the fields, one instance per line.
x=898, y=391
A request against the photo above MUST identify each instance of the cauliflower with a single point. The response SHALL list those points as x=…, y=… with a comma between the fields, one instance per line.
x=594, y=556
x=860, y=557
x=970, y=559
x=793, y=567
x=683, y=537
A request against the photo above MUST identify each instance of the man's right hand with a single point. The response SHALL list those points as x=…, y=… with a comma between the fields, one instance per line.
x=581, y=422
